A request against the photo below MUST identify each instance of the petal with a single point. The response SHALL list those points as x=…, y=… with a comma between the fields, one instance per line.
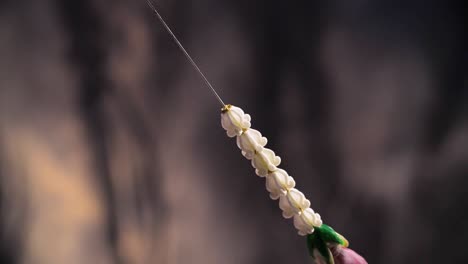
x=309, y=216
x=303, y=222
x=284, y=204
x=234, y=120
x=227, y=124
x=246, y=120
x=297, y=199
x=317, y=220
x=251, y=141
x=278, y=183
x=343, y=255
x=293, y=203
x=264, y=162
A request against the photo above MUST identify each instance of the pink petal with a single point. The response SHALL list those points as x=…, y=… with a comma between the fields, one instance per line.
x=343, y=255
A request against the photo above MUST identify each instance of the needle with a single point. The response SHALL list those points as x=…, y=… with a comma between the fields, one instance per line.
x=150, y=4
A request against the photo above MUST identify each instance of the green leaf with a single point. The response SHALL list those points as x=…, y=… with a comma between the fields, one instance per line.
x=319, y=242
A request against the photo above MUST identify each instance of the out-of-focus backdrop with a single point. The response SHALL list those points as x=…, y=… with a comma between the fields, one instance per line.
x=111, y=149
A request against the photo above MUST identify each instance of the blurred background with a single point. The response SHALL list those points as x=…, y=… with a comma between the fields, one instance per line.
x=111, y=149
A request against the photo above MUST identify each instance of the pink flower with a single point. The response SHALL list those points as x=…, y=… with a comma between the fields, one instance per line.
x=343, y=255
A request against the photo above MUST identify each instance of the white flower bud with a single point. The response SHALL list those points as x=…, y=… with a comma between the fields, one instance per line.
x=278, y=183
x=265, y=161
x=293, y=203
x=234, y=120
x=305, y=221
x=251, y=142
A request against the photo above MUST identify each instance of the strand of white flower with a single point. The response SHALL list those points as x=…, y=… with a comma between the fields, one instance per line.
x=292, y=202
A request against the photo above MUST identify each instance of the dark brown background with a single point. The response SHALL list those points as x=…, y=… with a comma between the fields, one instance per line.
x=111, y=149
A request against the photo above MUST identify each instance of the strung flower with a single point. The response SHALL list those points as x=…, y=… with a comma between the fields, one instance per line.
x=293, y=203
x=265, y=162
x=234, y=120
x=251, y=142
x=306, y=220
x=278, y=183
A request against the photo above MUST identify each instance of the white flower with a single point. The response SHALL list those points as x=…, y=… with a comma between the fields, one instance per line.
x=234, y=120
x=265, y=162
x=306, y=220
x=278, y=183
x=293, y=203
x=251, y=142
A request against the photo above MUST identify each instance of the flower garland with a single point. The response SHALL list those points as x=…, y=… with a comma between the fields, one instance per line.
x=325, y=245
x=323, y=242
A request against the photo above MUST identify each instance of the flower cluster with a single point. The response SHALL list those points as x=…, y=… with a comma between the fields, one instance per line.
x=292, y=202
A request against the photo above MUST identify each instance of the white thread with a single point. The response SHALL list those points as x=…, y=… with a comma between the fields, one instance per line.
x=150, y=4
